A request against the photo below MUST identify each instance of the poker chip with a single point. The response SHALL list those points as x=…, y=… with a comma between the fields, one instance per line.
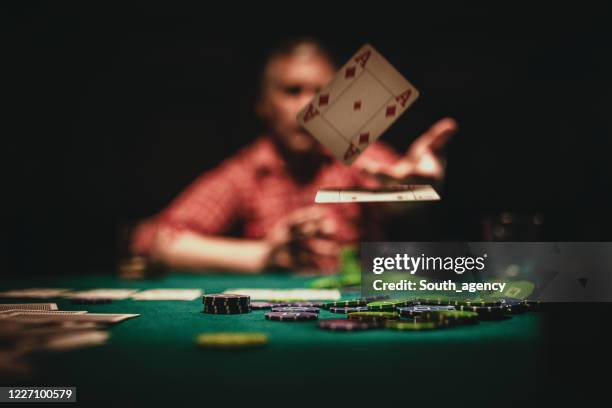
x=514, y=306
x=296, y=309
x=291, y=316
x=372, y=316
x=91, y=301
x=455, y=317
x=229, y=340
x=346, y=303
x=226, y=310
x=486, y=312
x=299, y=304
x=261, y=305
x=346, y=310
x=347, y=325
x=476, y=302
x=440, y=301
x=417, y=310
x=411, y=325
x=388, y=305
x=226, y=300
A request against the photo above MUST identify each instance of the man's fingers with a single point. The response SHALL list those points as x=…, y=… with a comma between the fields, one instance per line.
x=436, y=136
x=322, y=247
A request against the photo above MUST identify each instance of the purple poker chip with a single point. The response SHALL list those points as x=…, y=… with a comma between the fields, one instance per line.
x=291, y=316
x=347, y=325
x=295, y=309
x=348, y=309
x=299, y=304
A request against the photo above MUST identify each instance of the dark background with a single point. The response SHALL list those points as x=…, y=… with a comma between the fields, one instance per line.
x=113, y=111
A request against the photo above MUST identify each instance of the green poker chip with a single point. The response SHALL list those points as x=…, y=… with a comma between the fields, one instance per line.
x=388, y=305
x=412, y=325
x=372, y=316
x=476, y=302
x=455, y=317
x=346, y=303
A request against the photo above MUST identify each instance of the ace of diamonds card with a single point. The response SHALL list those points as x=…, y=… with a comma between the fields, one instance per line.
x=363, y=99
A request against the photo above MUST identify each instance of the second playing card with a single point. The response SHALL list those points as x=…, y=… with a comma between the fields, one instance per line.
x=365, y=97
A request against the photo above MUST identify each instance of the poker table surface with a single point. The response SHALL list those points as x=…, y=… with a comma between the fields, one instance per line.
x=152, y=359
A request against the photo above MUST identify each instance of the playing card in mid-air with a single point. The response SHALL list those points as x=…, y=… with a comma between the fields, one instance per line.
x=365, y=97
x=392, y=193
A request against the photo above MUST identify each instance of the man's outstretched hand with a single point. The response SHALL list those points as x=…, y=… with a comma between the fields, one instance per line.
x=422, y=160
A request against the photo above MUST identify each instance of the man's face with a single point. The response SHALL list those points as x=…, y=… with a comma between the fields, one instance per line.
x=291, y=82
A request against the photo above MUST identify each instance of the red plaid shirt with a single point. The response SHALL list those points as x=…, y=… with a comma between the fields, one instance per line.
x=254, y=188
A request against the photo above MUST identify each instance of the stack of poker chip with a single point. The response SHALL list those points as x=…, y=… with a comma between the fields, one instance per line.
x=226, y=304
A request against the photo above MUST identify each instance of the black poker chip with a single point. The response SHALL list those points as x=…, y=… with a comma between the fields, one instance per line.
x=226, y=300
x=226, y=310
x=348, y=309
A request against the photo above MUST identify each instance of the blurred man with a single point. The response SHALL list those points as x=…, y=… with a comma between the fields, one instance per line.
x=268, y=188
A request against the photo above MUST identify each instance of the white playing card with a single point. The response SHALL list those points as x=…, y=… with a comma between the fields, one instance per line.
x=286, y=294
x=41, y=293
x=168, y=294
x=115, y=294
x=383, y=194
x=365, y=97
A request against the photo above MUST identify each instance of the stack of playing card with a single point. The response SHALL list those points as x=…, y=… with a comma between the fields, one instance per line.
x=29, y=327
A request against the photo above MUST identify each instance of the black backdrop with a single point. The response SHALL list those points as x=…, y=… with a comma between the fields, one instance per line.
x=114, y=110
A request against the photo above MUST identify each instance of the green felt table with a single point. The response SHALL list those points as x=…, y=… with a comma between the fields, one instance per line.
x=153, y=358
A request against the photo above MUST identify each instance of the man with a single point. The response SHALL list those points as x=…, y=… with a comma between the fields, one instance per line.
x=269, y=187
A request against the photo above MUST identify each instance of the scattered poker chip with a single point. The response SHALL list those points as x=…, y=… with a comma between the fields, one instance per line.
x=299, y=304
x=411, y=325
x=346, y=310
x=417, y=310
x=90, y=301
x=388, y=305
x=347, y=325
x=515, y=306
x=455, y=317
x=261, y=305
x=226, y=310
x=441, y=301
x=291, y=316
x=237, y=340
x=296, y=309
x=476, y=302
x=372, y=316
x=346, y=303
x=486, y=312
